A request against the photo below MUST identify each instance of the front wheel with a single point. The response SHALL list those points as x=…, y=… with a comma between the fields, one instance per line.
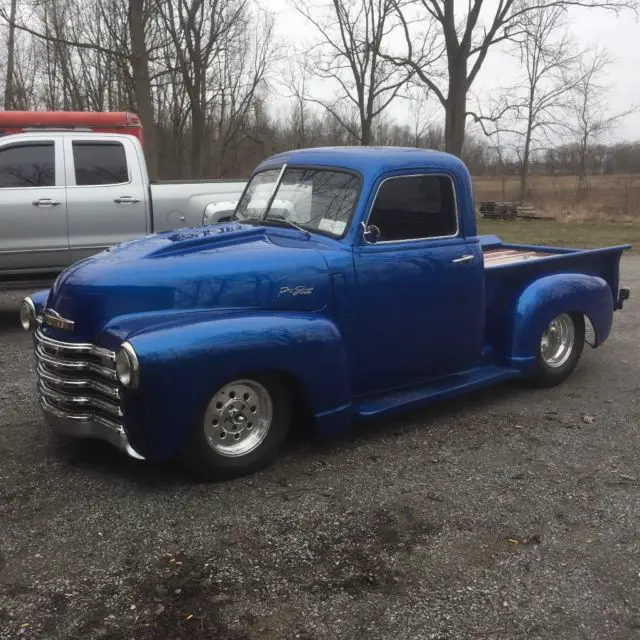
x=241, y=429
x=559, y=349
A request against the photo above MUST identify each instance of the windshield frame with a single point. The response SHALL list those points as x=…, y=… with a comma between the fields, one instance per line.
x=283, y=168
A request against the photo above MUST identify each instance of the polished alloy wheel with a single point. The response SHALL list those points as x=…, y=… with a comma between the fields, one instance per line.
x=558, y=341
x=238, y=418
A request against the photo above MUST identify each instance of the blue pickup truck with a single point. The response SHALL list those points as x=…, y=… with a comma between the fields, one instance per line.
x=350, y=283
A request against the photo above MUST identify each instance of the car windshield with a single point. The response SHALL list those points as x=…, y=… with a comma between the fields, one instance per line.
x=318, y=200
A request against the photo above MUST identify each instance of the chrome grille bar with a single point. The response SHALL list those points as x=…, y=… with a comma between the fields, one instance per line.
x=78, y=380
x=74, y=365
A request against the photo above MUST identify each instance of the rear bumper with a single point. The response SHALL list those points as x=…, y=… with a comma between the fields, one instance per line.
x=623, y=294
x=86, y=427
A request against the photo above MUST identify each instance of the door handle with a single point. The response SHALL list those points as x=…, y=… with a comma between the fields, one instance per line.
x=126, y=200
x=463, y=259
x=46, y=202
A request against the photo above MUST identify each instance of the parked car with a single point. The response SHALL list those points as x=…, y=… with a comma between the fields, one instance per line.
x=66, y=195
x=370, y=292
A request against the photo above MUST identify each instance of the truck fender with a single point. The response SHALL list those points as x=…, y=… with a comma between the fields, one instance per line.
x=39, y=299
x=182, y=366
x=544, y=299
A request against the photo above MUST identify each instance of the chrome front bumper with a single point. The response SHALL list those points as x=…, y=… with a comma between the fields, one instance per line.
x=79, y=426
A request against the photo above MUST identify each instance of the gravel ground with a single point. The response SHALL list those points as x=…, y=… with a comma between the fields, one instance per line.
x=512, y=513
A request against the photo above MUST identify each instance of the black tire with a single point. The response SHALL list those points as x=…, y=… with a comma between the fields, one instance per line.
x=548, y=376
x=202, y=459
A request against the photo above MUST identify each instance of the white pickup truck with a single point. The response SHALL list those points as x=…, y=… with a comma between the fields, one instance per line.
x=65, y=195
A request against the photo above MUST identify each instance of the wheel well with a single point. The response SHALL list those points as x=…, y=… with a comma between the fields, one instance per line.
x=300, y=404
x=590, y=336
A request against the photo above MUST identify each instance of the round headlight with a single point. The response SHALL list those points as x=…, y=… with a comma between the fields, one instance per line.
x=127, y=368
x=27, y=314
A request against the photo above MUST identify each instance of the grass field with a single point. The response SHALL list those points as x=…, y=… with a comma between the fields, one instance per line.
x=608, y=215
x=611, y=198
x=587, y=235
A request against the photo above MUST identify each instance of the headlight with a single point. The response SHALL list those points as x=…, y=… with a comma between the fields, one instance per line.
x=27, y=314
x=127, y=367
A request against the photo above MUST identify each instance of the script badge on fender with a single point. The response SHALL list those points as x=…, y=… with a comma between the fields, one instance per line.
x=296, y=291
x=54, y=319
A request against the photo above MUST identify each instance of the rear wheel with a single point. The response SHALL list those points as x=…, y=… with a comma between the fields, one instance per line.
x=559, y=349
x=241, y=429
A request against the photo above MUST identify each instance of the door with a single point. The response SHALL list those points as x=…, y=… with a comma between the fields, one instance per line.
x=419, y=287
x=33, y=211
x=106, y=198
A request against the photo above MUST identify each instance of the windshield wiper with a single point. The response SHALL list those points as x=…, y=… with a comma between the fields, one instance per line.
x=276, y=220
x=291, y=224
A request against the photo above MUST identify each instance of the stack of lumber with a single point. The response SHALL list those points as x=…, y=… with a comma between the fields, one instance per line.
x=510, y=211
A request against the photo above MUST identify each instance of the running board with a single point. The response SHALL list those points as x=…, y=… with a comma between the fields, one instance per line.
x=453, y=385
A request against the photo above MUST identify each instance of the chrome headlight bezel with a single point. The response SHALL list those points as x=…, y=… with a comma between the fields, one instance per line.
x=28, y=314
x=127, y=366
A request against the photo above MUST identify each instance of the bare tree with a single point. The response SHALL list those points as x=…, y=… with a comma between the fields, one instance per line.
x=349, y=56
x=201, y=31
x=467, y=40
x=139, y=58
x=297, y=84
x=549, y=62
x=421, y=118
x=591, y=115
x=11, y=47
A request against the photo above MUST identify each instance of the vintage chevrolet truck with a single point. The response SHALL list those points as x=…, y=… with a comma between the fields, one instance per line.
x=350, y=283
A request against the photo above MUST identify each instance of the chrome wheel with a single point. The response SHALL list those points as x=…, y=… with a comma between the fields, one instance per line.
x=238, y=418
x=558, y=341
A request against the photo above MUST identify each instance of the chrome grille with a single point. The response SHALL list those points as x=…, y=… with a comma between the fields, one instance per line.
x=78, y=380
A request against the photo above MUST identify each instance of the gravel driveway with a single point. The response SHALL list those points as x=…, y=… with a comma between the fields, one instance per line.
x=512, y=513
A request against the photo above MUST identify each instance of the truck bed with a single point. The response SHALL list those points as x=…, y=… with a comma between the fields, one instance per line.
x=497, y=256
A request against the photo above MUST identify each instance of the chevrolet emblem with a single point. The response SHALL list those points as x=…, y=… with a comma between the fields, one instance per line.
x=54, y=319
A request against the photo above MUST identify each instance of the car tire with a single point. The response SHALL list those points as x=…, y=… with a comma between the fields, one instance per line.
x=241, y=429
x=560, y=346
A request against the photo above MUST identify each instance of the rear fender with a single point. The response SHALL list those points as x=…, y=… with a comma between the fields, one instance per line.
x=182, y=366
x=548, y=297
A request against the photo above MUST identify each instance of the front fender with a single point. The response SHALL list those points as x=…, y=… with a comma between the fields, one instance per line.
x=548, y=297
x=182, y=366
x=39, y=299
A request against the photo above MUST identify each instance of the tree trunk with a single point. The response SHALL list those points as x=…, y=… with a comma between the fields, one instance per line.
x=583, y=185
x=456, y=107
x=11, y=45
x=365, y=135
x=142, y=84
x=524, y=169
x=197, y=133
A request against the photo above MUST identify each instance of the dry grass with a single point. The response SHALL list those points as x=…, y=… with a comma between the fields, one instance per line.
x=614, y=198
x=584, y=235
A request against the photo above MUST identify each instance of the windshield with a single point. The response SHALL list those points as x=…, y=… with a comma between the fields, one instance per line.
x=317, y=200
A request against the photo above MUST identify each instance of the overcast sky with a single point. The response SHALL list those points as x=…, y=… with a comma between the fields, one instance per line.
x=619, y=35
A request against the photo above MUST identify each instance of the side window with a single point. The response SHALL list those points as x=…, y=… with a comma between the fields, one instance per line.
x=28, y=165
x=99, y=163
x=415, y=207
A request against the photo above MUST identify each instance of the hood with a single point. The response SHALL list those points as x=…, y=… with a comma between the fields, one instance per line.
x=228, y=267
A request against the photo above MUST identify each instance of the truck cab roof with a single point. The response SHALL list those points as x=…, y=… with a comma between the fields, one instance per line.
x=369, y=160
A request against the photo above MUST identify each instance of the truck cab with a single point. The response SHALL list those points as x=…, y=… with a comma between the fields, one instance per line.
x=349, y=284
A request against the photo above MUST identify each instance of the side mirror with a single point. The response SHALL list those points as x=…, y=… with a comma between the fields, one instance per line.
x=371, y=233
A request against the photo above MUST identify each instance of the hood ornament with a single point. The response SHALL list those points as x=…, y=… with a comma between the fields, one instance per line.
x=54, y=319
